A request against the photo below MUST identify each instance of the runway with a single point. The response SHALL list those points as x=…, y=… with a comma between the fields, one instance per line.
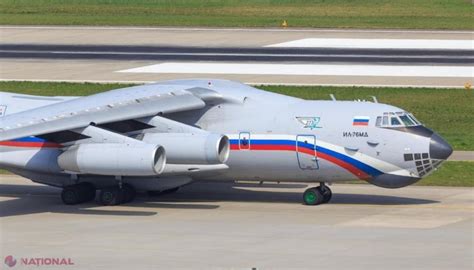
x=228, y=54
x=244, y=226
x=266, y=56
x=203, y=37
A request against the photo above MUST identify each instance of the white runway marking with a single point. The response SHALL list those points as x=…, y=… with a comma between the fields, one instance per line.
x=305, y=69
x=377, y=43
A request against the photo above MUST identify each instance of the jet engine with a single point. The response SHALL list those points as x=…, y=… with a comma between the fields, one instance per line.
x=189, y=148
x=114, y=159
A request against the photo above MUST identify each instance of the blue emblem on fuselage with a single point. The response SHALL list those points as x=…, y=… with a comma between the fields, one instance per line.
x=309, y=122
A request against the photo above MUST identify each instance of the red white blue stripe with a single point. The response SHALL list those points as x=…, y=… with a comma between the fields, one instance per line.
x=354, y=166
x=30, y=142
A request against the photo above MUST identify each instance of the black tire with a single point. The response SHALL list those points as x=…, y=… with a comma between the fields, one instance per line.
x=80, y=193
x=128, y=192
x=70, y=195
x=312, y=196
x=326, y=192
x=110, y=196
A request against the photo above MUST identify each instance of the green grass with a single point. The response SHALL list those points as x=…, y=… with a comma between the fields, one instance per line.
x=451, y=173
x=412, y=14
x=58, y=89
x=449, y=112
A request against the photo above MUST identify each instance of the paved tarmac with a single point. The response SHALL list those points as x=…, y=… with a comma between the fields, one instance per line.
x=236, y=54
x=107, y=72
x=95, y=54
x=200, y=37
x=243, y=226
x=462, y=156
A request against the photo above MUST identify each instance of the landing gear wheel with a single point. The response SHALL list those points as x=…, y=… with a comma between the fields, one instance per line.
x=116, y=195
x=128, y=193
x=154, y=193
x=79, y=193
x=312, y=196
x=70, y=196
x=110, y=196
x=326, y=192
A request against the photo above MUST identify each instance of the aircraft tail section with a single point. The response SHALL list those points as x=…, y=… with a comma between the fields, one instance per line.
x=11, y=103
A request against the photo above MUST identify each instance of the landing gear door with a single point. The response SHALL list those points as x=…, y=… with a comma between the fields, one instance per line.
x=244, y=140
x=306, y=152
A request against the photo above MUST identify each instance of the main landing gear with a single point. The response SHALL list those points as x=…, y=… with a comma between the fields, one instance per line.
x=85, y=192
x=317, y=195
x=117, y=195
x=79, y=193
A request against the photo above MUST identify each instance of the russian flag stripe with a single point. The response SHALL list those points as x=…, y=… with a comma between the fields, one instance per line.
x=356, y=167
x=360, y=121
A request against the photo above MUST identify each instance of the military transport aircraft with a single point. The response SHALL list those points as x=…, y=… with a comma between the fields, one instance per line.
x=161, y=136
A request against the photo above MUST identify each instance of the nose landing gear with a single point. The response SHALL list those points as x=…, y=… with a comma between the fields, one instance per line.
x=317, y=195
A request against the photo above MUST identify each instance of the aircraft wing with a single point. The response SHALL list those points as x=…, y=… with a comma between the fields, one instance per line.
x=113, y=106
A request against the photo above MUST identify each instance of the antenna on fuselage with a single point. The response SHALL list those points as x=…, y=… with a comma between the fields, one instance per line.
x=332, y=97
x=375, y=99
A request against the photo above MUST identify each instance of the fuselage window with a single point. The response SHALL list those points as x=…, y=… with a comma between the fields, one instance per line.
x=385, y=121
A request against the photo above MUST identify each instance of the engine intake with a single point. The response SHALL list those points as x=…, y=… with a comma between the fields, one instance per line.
x=114, y=159
x=188, y=148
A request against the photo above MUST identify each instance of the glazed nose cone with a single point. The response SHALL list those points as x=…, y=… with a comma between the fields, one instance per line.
x=439, y=148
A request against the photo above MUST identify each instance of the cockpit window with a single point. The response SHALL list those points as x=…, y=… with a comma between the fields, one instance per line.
x=414, y=119
x=378, y=121
x=396, y=119
x=406, y=120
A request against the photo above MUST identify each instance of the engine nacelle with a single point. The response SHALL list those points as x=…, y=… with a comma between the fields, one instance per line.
x=188, y=148
x=114, y=159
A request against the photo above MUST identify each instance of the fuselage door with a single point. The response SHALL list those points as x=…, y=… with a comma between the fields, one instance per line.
x=244, y=140
x=306, y=152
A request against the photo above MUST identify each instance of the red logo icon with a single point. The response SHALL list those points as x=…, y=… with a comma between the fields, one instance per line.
x=10, y=261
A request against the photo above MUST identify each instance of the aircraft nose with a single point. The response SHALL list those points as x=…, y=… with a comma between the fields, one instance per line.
x=439, y=148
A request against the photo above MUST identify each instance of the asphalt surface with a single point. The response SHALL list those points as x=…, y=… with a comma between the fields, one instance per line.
x=243, y=226
x=228, y=54
x=200, y=37
x=96, y=54
x=462, y=156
